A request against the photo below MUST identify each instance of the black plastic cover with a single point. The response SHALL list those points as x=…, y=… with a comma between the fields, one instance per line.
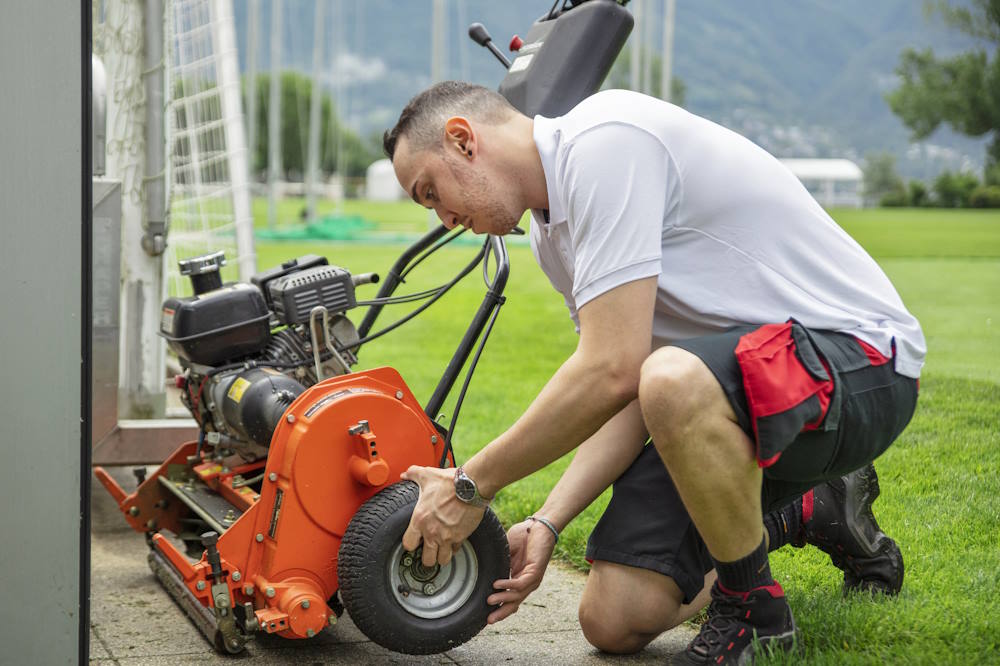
x=294, y=296
x=263, y=278
x=564, y=60
x=217, y=326
x=255, y=401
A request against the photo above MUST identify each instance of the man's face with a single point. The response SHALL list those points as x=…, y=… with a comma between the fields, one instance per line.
x=456, y=188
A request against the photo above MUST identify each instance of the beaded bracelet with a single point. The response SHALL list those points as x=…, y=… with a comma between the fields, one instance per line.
x=547, y=523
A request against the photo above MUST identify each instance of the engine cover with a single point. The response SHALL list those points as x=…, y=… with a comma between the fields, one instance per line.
x=216, y=326
x=294, y=296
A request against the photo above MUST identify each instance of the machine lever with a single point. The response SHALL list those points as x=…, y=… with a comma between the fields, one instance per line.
x=209, y=540
x=480, y=35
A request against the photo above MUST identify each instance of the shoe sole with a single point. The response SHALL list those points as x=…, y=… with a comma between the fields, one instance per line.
x=784, y=642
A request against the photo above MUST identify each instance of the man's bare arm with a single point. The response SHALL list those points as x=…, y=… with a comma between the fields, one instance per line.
x=594, y=384
x=597, y=463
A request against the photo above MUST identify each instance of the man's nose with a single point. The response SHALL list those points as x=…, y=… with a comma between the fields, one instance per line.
x=448, y=218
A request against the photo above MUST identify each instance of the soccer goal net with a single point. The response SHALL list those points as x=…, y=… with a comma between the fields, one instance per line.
x=208, y=189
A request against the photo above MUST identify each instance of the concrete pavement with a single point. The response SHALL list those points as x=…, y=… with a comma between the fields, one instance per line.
x=134, y=621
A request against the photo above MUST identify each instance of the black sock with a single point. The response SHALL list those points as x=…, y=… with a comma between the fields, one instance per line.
x=746, y=573
x=784, y=525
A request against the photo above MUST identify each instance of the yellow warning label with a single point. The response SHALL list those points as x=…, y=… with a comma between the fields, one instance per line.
x=237, y=389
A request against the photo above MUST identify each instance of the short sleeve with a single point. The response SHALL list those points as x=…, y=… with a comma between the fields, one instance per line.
x=614, y=177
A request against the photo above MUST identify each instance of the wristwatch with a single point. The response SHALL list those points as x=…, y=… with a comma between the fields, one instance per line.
x=466, y=490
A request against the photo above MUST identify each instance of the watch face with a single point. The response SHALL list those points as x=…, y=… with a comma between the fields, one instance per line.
x=465, y=488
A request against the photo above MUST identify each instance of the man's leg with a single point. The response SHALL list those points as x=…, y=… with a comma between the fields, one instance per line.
x=712, y=463
x=623, y=608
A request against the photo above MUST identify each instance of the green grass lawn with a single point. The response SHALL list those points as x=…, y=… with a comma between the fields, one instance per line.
x=940, y=480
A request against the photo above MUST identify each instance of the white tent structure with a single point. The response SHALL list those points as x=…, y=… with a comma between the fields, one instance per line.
x=381, y=183
x=833, y=182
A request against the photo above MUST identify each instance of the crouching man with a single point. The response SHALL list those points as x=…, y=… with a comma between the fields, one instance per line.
x=722, y=314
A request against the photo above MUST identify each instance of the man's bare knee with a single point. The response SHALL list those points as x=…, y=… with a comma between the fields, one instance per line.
x=624, y=608
x=609, y=632
x=674, y=390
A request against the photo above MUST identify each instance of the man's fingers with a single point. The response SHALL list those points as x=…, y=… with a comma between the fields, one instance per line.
x=515, y=583
x=502, y=613
x=412, y=473
x=506, y=597
x=411, y=538
x=523, y=585
x=444, y=555
x=429, y=555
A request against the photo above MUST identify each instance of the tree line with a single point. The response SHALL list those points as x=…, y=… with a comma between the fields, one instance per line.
x=962, y=91
x=296, y=93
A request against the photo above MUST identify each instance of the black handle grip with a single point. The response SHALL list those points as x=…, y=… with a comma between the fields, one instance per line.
x=479, y=34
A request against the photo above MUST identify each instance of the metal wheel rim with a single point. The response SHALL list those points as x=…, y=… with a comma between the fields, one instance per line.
x=453, y=583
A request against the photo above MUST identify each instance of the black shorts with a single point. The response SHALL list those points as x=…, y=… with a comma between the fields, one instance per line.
x=821, y=404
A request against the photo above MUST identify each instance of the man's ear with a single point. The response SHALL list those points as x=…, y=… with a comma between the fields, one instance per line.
x=460, y=137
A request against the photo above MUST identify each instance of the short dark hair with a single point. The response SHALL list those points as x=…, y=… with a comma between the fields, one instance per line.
x=423, y=118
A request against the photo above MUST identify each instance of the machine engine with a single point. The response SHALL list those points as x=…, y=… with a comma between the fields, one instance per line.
x=248, y=350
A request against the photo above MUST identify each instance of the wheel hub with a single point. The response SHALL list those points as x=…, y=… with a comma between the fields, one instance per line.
x=432, y=592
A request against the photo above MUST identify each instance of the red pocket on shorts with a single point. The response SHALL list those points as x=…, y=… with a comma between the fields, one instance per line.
x=788, y=386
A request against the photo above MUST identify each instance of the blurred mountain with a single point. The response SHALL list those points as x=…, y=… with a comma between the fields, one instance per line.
x=802, y=79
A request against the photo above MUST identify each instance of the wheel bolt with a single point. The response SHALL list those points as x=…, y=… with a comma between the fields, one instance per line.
x=407, y=561
x=429, y=589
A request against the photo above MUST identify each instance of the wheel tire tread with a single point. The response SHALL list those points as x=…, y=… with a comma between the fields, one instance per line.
x=356, y=572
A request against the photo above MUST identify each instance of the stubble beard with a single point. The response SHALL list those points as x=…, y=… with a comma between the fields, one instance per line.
x=479, y=197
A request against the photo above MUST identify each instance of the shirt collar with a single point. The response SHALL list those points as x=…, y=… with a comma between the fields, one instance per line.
x=546, y=135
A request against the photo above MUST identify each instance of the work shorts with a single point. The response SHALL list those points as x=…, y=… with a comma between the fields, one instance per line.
x=815, y=404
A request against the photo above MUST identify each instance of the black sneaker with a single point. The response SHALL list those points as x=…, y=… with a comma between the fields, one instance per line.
x=843, y=527
x=740, y=625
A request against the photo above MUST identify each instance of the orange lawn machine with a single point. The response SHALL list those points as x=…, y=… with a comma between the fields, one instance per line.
x=289, y=508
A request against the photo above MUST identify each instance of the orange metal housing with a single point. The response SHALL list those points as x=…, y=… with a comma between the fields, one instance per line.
x=281, y=553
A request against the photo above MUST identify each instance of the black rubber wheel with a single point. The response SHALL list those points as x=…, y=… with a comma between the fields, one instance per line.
x=398, y=603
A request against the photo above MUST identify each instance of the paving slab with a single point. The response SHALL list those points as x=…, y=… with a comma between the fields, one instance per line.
x=135, y=621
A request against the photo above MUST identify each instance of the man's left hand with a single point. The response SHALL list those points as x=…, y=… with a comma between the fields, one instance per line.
x=440, y=519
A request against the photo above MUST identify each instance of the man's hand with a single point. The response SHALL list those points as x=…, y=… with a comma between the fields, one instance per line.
x=531, y=546
x=440, y=519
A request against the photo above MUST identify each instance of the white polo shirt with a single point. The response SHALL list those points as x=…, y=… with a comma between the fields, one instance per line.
x=638, y=187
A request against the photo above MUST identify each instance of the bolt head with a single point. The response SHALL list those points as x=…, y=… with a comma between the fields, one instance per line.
x=332, y=620
x=290, y=418
x=248, y=590
x=236, y=576
x=272, y=477
x=200, y=585
x=407, y=561
x=133, y=511
x=305, y=603
x=259, y=537
x=269, y=592
x=399, y=395
x=434, y=439
x=429, y=588
x=310, y=633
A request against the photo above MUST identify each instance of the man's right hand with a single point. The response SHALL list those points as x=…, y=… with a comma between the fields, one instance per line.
x=531, y=546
